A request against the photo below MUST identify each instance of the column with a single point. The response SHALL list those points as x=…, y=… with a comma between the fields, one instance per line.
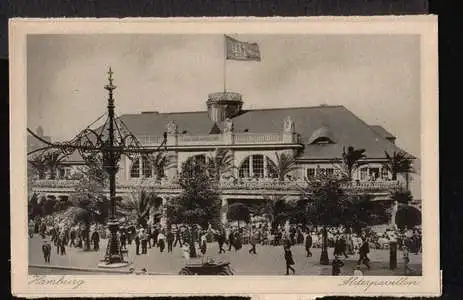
x=164, y=212
x=223, y=211
x=251, y=170
x=265, y=167
x=140, y=169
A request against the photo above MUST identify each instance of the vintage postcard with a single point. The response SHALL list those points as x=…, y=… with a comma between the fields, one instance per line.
x=224, y=156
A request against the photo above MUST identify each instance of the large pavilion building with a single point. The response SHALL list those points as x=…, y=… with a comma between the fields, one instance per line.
x=315, y=136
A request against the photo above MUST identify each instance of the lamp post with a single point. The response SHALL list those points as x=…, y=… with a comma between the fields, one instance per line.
x=105, y=145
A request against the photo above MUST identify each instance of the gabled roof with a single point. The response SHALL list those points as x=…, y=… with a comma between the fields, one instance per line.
x=345, y=128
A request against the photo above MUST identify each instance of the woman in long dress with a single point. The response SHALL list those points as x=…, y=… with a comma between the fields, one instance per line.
x=186, y=252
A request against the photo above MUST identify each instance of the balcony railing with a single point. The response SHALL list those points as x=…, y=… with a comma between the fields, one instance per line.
x=243, y=184
x=238, y=138
x=200, y=139
x=258, y=138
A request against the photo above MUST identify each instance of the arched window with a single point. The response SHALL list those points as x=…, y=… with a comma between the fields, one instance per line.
x=257, y=166
x=135, y=170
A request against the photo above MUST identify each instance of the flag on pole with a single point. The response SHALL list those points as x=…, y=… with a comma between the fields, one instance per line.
x=238, y=50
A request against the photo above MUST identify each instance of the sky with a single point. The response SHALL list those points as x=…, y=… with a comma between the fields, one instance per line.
x=377, y=77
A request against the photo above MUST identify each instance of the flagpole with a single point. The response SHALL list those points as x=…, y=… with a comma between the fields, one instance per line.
x=225, y=64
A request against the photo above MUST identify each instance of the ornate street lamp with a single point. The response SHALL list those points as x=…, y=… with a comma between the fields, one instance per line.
x=106, y=145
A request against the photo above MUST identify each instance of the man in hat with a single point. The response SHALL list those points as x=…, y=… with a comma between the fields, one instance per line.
x=46, y=250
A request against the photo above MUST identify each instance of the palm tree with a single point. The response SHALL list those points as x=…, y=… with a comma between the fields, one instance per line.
x=238, y=212
x=285, y=165
x=351, y=161
x=141, y=203
x=219, y=162
x=38, y=165
x=276, y=208
x=160, y=163
x=52, y=161
x=398, y=163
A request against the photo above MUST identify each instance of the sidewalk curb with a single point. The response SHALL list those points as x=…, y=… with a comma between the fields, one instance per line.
x=99, y=270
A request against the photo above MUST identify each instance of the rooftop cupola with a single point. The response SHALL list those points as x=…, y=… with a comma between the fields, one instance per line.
x=224, y=105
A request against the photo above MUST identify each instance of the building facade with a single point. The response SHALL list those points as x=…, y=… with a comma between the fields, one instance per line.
x=314, y=136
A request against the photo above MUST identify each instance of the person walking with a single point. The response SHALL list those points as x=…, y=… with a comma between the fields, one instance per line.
x=363, y=252
x=137, y=243
x=253, y=243
x=308, y=244
x=96, y=240
x=46, y=250
x=343, y=246
x=203, y=243
x=144, y=241
x=62, y=243
x=178, y=236
x=231, y=240
x=72, y=237
x=221, y=240
x=170, y=241
x=186, y=252
x=161, y=241
x=123, y=239
x=289, y=259
x=337, y=264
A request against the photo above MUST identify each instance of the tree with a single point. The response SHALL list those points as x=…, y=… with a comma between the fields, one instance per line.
x=89, y=196
x=39, y=166
x=285, y=164
x=219, y=162
x=327, y=202
x=363, y=211
x=405, y=215
x=140, y=203
x=276, y=208
x=399, y=163
x=238, y=212
x=351, y=161
x=160, y=163
x=198, y=202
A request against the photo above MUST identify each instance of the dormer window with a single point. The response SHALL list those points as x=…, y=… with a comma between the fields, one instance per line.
x=322, y=140
x=321, y=136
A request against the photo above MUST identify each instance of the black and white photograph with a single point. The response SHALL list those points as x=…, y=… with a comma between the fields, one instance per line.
x=224, y=154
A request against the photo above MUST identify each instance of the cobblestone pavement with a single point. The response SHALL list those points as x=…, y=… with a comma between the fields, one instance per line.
x=268, y=261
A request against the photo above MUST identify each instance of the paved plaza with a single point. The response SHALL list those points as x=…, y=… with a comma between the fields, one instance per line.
x=268, y=261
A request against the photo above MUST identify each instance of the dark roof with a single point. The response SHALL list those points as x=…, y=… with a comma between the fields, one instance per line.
x=345, y=128
x=382, y=132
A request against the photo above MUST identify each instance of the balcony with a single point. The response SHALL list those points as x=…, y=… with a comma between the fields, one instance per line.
x=239, y=138
x=258, y=138
x=242, y=184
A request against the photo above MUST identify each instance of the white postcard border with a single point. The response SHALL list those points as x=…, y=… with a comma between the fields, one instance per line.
x=429, y=284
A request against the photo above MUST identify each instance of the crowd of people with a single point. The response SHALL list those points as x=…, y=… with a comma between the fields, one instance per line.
x=195, y=240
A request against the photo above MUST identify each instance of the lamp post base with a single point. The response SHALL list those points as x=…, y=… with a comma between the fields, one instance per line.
x=114, y=256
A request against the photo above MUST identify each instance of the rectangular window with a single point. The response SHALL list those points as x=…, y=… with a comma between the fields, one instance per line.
x=135, y=170
x=374, y=173
x=363, y=173
x=310, y=172
x=384, y=174
x=147, y=170
x=329, y=171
